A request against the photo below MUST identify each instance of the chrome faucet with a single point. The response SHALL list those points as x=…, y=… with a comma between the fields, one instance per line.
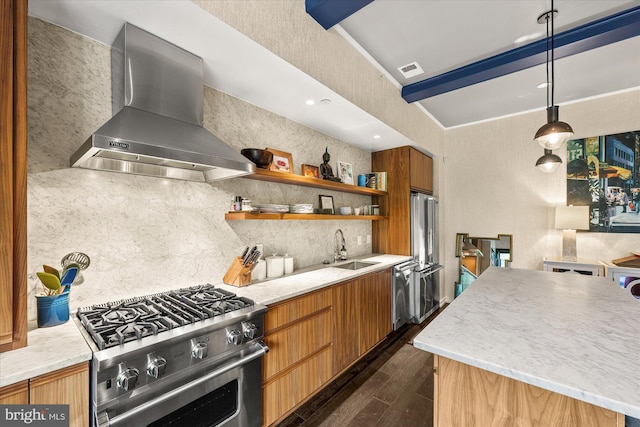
x=340, y=252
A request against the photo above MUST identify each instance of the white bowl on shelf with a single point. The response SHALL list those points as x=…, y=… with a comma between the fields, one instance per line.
x=345, y=210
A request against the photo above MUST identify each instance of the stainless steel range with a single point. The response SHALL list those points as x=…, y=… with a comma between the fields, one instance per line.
x=192, y=357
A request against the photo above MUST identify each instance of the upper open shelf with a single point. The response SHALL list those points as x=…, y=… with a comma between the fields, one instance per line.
x=290, y=178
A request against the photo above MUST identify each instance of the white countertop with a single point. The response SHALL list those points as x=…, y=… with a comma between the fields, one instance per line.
x=275, y=290
x=58, y=347
x=572, y=334
x=47, y=350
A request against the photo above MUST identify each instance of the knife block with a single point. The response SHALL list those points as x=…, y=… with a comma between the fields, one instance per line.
x=238, y=274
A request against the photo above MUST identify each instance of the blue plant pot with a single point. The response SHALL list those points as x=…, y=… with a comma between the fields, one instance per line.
x=52, y=310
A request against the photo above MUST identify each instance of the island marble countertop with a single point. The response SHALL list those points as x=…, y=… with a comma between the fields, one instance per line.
x=58, y=347
x=572, y=334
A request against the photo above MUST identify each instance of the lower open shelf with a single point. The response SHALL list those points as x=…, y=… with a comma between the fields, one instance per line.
x=242, y=216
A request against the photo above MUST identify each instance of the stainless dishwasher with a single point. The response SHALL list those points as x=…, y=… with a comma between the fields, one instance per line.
x=403, y=281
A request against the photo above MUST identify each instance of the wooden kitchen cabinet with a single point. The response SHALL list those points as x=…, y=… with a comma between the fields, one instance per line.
x=375, y=309
x=346, y=341
x=362, y=316
x=314, y=337
x=407, y=169
x=68, y=386
x=465, y=395
x=15, y=394
x=13, y=175
x=299, y=361
x=420, y=172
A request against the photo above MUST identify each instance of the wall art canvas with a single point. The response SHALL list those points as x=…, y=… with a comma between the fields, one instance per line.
x=603, y=172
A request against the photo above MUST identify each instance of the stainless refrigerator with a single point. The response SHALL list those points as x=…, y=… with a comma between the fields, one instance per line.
x=425, y=292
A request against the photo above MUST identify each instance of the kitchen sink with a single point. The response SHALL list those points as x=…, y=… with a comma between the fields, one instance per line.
x=355, y=265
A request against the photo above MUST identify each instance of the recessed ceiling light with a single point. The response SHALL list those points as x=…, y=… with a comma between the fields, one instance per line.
x=325, y=101
x=376, y=136
x=543, y=85
x=310, y=102
x=527, y=38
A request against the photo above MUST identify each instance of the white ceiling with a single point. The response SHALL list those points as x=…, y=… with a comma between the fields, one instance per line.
x=443, y=35
x=440, y=35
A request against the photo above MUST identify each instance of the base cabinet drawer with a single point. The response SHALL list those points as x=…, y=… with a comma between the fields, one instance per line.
x=292, y=344
x=67, y=386
x=286, y=391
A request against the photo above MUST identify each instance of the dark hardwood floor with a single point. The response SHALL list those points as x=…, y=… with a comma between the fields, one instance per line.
x=392, y=386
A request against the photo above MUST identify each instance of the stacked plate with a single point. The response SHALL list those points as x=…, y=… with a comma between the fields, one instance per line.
x=270, y=208
x=301, y=208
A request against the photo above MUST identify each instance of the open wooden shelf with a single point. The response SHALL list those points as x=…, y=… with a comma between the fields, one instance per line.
x=290, y=178
x=241, y=216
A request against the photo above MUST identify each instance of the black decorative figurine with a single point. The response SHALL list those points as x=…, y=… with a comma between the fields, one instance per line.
x=325, y=168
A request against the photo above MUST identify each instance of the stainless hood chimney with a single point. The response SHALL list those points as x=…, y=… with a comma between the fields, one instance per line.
x=156, y=130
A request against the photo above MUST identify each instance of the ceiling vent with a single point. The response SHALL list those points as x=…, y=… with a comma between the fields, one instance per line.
x=410, y=70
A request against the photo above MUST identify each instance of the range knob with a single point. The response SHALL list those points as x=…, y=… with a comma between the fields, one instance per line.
x=156, y=366
x=199, y=351
x=234, y=336
x=249, y=330
x=128, y=378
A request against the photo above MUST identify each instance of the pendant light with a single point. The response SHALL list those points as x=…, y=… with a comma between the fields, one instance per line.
x=549, y=162
x=554, y=133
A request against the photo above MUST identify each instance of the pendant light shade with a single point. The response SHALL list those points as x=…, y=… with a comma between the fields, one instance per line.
x=549, y=162
x=554, y=133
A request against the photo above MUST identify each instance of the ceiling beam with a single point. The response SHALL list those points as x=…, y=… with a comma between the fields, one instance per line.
x=589, y=36
x=330, y=12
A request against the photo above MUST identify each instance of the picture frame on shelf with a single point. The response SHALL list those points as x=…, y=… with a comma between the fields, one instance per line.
x=282, y=161
x=326, y=204
x=345, y=172
x=310, y=171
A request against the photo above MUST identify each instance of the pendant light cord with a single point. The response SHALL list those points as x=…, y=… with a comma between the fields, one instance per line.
x=548, y=82
x=553, y=86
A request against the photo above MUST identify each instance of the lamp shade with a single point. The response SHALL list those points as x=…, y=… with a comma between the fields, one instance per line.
x=554, y=133
x=549, y=162
x=572, y=217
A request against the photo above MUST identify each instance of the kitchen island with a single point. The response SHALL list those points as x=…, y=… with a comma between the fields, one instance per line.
x=523, y=347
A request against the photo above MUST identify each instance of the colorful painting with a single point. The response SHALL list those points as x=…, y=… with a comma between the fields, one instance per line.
x=603, y=172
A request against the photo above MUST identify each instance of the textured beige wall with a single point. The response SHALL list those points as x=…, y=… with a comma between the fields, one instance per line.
x=146, y=235
x=494, y=187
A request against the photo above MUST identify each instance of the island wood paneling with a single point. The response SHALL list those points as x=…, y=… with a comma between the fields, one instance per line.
x=466, y=396
x=68, y=386
x=13, y=175
x=15, y=394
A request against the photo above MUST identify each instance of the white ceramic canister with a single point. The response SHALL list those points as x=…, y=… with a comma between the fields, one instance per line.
x=260, y=272
x=275, y=266
x=288, y=264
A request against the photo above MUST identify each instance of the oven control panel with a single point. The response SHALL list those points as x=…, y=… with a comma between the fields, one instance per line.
x=176, y=352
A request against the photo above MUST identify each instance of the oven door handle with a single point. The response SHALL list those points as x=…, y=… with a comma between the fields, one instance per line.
x=104, y=420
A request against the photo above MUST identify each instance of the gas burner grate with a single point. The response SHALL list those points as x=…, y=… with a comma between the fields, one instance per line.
x=115, y=323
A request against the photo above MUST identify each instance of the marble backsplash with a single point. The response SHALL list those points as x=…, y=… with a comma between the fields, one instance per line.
x=145, y=234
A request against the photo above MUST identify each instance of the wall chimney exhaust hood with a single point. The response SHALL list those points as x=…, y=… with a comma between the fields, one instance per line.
x=156, y=130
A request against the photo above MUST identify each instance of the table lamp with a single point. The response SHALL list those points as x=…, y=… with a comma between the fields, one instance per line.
x=569, y=219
